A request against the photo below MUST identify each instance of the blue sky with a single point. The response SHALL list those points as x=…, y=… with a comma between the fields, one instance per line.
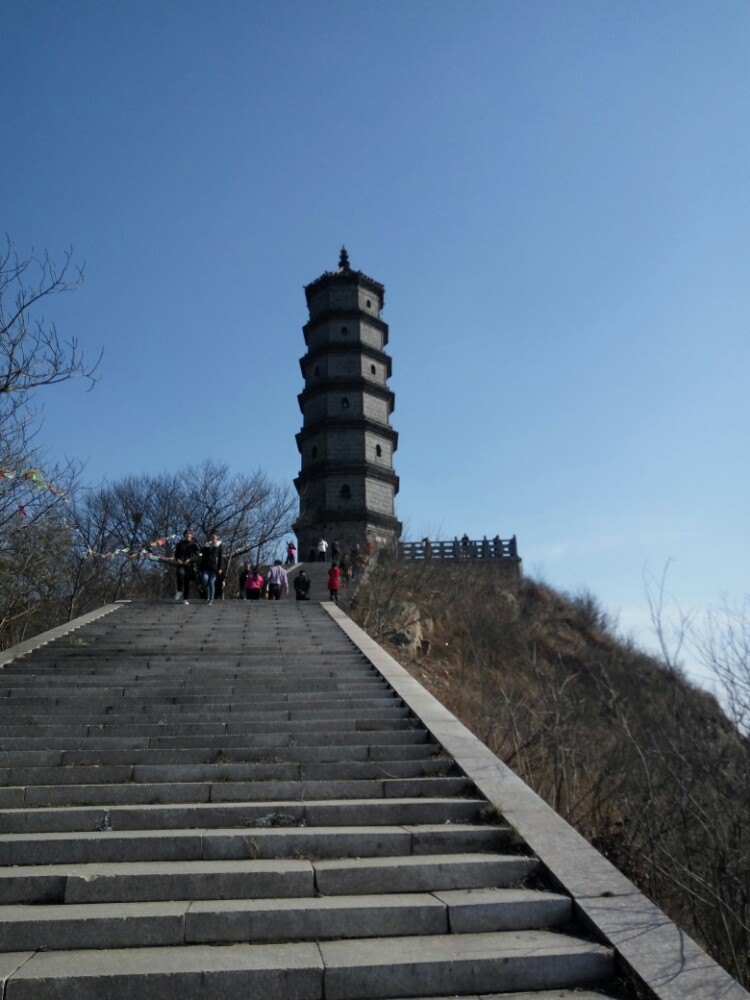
x=554, y=194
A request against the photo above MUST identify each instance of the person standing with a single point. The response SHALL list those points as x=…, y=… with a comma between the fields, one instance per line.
x=277, y=581
x=254, y=585
x=322, y=549
x=244, y=574
x=334, y=582
x=211, y=564
x=302, y=585
x=335, y=552
x=291, y=553
x=186, y=552
x=346, y=569
x=355, y=555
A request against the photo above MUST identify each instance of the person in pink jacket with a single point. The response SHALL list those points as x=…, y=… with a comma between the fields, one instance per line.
x=253, y=585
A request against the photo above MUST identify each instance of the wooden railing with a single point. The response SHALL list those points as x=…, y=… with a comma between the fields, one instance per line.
x=460, y=548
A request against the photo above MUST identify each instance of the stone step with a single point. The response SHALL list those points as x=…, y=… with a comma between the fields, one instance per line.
x=134, y=925
x=426, y=873
x=164, y=675
x=90, y=687
x=136, y=701
x=234, y=790
x=159, y=880
x=574, y=994
x=53, y=781
x=288, y=729
x=191, y=713
x=278, y=832
x=358, y=969
x=204, y=736
x=174, y=728
x=213, y=973
x=407, y=756
x=218, y=686
x=460, y=964
x=21, y=824
x=379, y=746
x=251, y=737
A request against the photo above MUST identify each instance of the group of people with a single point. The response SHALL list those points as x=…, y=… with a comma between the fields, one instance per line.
x=302, y=583
x=350, y=561
x=466, y=548
x=204, y=566
x=253, y=585
x=201, y=564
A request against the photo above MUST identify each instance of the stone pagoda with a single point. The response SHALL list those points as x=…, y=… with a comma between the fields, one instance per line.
x=346, y=483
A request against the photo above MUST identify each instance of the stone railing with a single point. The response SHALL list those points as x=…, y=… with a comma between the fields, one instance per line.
x=461, y=548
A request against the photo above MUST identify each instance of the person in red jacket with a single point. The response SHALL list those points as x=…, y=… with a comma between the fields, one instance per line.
x=334, y=582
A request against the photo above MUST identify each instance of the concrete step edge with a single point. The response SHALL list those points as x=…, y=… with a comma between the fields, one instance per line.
x=108, y=925
x=340, y=970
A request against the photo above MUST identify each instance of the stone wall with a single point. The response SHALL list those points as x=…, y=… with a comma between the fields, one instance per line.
x=379, y=496
x=374, y=407
x=344, y=331
x=372, y=443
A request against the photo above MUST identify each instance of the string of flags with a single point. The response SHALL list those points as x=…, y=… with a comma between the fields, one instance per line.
x=34, y=478
x=38, y=481
x=146, y=551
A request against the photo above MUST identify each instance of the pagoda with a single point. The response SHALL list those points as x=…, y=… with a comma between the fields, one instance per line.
x=346, y=483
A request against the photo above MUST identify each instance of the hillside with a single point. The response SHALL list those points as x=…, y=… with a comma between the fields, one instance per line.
x=647, y=766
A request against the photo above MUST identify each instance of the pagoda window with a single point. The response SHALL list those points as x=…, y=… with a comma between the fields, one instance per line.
x=344, y=403
x=373, y=369
x=314, y=452
x=346, y=493
x=378, y=451
x=344, y=331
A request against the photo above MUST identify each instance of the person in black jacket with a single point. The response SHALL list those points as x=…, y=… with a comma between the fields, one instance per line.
x=302, y=586
x=244, y=574
x=211, y=564
x=186, y=552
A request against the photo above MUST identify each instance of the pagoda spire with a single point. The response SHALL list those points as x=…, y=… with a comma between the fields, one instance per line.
x=344, y=259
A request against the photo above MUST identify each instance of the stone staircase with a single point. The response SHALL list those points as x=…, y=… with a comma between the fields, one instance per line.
x=230, y=801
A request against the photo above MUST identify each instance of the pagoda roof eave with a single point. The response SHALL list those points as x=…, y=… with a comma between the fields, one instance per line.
x=344, y=277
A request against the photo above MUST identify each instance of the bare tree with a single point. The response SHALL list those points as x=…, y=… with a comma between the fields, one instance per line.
x=34, y=537
x=32, y=353
x=119, y=527
x=723, y=645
